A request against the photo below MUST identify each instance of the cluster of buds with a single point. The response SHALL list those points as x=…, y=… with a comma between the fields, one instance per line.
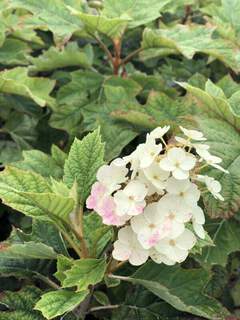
x=152, y=196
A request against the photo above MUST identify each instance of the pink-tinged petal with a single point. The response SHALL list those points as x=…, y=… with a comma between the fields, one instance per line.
x=108, y=213
x=91, y=202
x=97, y=193
x=153, y=240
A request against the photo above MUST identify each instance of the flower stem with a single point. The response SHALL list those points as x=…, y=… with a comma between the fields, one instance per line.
x=114, y=267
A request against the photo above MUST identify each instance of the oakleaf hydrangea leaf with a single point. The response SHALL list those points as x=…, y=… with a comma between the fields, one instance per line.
x=179, y=287
x=56, y=303
x=85, y=272
x=85, y=157
x=17, y=81
x=56, y=58
x=220, y=125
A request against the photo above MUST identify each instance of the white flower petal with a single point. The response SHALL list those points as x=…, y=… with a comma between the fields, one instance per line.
x=180, y=174
x=186, y=240
x=160, y=258
x=188, y=163
x=176, y=155
x=175, y=186
x=198, y=215
x=193, y=134
x=159, y=132
x=199, y=230
x=166, y=165
x=120, y=252
x=138, y=257
x=136, y=190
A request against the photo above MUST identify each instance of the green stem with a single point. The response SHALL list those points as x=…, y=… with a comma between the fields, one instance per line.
x=48, y=281
x=69, y=240
x=109, y=307
x=131, y=55
x=104, y=48
x=79, y=230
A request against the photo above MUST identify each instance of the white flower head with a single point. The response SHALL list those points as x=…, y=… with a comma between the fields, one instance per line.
x=130, y=200
x=212, y=185
x=143, y=179
x=159, y=132
x=193, y=134
x=179, y=162
x=187, y=191
x=177, y=249
x=175, y=214
x=156, y=176
x=150, y=226
x=111, y=176
x=127, y=247
x=148, y=151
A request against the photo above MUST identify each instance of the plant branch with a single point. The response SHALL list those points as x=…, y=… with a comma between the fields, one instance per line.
x=131, y=55
x=47, y=281
x=117, y=58
x=104, y=48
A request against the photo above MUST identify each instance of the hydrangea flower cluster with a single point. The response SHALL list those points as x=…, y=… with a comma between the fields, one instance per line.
x=152, y=195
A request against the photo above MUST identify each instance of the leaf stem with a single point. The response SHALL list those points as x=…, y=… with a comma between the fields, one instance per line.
x=114, y=306
x=131, y=55
x=47, y=281
x=69, y=240
x=104, y=48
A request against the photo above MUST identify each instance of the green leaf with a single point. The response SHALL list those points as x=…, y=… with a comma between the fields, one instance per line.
x=22, y=129
x=55, y=58
x=45, y=232
x=17, y=81
x=97, y=235
x=67, y=117
x=225, y=234
x=219, y=123
x=135, y=10
x=41, y=163
x=101, y=298
x=182, y=288
x=56, y=303
x=111, y=27
x=118, y=92
x=14, y=52
x=159, y=110
x=29, y=193
x=28, y=250
x=184, y=39
x=20, y=304
x=85, y=157
x=142, y=304
x=54, y=16
x=84, y=273
x=72, y=97
x=24, y=268
x=63, y=264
